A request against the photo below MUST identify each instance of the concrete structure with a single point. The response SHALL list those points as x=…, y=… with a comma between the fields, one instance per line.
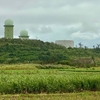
x=24, y=35
x=66, y=43
x=8, y=29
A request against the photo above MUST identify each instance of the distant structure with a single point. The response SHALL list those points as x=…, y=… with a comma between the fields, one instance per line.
x=24, y=35
x=8, y=29
x=66, y=43
x=8, y=34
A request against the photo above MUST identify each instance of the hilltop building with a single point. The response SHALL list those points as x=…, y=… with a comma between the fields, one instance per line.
x=66, y=43
x=8, y=29
x=8, y=34
x=24, y=35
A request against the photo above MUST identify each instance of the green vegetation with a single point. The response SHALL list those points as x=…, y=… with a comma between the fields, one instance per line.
x=47, y=68
x=26, y=78
x=36, y=51
x=66, y=96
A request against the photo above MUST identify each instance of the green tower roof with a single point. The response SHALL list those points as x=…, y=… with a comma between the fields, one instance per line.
x=8, y=22
x=23, y=33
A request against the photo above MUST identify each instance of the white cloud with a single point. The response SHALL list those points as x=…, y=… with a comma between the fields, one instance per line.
x=85, y=36
x=60, y=19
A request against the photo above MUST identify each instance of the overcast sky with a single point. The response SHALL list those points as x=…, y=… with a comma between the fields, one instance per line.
x=51, y=20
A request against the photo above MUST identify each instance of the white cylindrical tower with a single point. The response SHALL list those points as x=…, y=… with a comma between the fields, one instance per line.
x=66, y=43
x=8, y=29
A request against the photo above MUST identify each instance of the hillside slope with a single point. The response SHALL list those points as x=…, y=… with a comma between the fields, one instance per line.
x=16, y=50
x=37, y=51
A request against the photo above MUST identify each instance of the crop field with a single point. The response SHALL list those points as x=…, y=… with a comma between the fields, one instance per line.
x=48, y=79
x=66, y=96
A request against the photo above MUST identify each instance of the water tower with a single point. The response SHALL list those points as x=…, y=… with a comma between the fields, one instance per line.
x=8, y=29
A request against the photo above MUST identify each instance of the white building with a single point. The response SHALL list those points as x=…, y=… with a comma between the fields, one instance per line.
x=66, y=43
x=8, y=29
x=24, y=35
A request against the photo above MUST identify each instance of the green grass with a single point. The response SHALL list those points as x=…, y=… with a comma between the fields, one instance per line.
x=26, y=78
x=64, y=96
x=18, y=66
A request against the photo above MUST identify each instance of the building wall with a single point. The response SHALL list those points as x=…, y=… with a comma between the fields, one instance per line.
x=66, y=43
x=24, y=37
x=8, y=31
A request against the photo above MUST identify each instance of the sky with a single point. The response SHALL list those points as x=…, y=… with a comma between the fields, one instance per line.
x=51, y=20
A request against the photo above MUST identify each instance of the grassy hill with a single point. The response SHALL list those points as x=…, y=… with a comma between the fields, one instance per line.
x=37, y=51
x=16, y=50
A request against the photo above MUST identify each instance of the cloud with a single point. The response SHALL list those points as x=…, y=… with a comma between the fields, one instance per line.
x=85, y=36
x=90, y=27
x=60, y=19
x=46, y=29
